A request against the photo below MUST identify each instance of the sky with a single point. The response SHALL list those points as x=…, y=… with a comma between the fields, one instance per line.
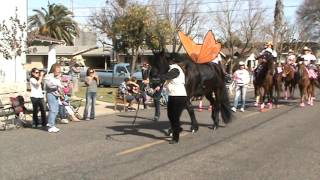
x=83, y=8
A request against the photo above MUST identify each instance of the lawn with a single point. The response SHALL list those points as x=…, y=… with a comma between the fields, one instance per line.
x=104, y=93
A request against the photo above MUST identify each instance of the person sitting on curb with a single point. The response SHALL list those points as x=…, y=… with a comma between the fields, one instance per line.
x=126, y=88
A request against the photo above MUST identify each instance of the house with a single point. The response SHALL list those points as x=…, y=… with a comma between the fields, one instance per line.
x=92, y=56
x=85, y=50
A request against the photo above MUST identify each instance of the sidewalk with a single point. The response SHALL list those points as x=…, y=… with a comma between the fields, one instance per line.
x=102, y=108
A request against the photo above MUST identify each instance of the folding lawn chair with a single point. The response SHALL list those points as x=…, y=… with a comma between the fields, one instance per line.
x=20, y=111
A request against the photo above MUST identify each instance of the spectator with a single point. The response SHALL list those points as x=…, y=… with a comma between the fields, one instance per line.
x=145, y=82
x=74, y=72
x=157, y=84
x=91, y=81
x=37, y=97
x=65, y=110
x=54, y=91
x=125, y=92
x=241, y=78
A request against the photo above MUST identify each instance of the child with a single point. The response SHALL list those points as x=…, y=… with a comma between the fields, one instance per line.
x=64, y=102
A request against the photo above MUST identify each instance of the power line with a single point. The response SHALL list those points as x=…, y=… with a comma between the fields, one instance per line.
x=209, y=12
x=171, y=4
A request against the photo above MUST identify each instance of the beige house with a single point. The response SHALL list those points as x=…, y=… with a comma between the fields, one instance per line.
x=91, y=56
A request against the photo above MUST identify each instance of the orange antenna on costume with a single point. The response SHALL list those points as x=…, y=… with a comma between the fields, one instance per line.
x=201, y=53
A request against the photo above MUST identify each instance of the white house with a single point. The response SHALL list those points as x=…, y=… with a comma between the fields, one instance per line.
x=12, y=72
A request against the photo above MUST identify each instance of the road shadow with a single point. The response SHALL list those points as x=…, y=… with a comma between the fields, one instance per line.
x=139, y=129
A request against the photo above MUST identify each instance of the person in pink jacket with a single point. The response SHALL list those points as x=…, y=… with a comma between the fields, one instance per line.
x=242, y=79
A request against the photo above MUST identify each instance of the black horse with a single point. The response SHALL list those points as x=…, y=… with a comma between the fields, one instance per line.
x=201, y=80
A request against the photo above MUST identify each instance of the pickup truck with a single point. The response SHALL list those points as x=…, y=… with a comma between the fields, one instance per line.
x=114, y=76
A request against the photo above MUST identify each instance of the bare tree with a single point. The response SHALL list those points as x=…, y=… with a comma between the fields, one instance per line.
x=309, y=19
x=225, y=22
x=102, y=19
x=278, y=22
x=183, y=15
x=251, y=26
x=239, y=25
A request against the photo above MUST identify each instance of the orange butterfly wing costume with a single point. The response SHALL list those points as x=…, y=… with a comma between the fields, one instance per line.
x=201, y=53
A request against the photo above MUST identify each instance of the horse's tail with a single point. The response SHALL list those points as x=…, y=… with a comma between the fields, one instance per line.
x=225, y=107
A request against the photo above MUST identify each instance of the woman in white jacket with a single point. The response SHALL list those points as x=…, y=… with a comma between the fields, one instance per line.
x=242, y=79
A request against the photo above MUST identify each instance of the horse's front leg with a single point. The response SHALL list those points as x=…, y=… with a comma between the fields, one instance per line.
x=302, y=95
x=286, y=91
x=194, y=123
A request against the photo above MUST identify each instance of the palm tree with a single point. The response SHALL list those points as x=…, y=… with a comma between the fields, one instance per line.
x=55, y=22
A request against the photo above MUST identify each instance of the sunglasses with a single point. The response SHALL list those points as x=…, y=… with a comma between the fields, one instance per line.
x=37, y=72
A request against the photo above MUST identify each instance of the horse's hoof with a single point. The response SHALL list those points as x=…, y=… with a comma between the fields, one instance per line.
x=256, y=104
x=270, y=106
x=214, y=128
x=169, y=133
x=302, y=105
x=194, y=130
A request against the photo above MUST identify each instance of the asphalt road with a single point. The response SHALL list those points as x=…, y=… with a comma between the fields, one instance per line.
x=281, y=144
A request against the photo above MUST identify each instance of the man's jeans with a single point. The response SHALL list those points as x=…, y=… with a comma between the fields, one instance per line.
x=89, y=111
x=53, y=109
x=240, y=92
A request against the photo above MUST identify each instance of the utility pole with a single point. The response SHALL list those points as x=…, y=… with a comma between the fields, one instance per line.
x=72, y=8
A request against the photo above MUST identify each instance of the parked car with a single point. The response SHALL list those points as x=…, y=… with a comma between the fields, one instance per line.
x=115, y=76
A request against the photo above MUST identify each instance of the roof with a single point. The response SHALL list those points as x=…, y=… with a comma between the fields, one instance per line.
x=62, y=50
x=32, y=37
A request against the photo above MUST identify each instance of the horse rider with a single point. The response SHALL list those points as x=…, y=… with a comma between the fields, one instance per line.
x=309, y=61
x=269, y=48
x=177, y=100
x=291, y=59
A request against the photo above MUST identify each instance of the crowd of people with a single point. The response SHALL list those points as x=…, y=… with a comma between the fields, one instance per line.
x=152, y=85
x=58, y=89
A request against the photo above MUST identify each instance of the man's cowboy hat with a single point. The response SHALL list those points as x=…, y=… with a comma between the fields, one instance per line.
x=306, y=48
x=241, y=63
x=290, y=51
x=269, y=43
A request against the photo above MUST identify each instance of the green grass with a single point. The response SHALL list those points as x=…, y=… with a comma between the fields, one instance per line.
x=103, y=93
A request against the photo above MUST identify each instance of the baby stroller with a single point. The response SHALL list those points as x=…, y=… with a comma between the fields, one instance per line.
x=66, y=107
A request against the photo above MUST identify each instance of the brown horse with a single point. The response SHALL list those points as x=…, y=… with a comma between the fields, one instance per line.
x=263, y=80
x=306, y=85
x=290, y=80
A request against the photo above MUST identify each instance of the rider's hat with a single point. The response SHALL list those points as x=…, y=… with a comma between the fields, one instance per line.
x=241, y=63
x=269, y=43
x=306, y=49
x=290, y=51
